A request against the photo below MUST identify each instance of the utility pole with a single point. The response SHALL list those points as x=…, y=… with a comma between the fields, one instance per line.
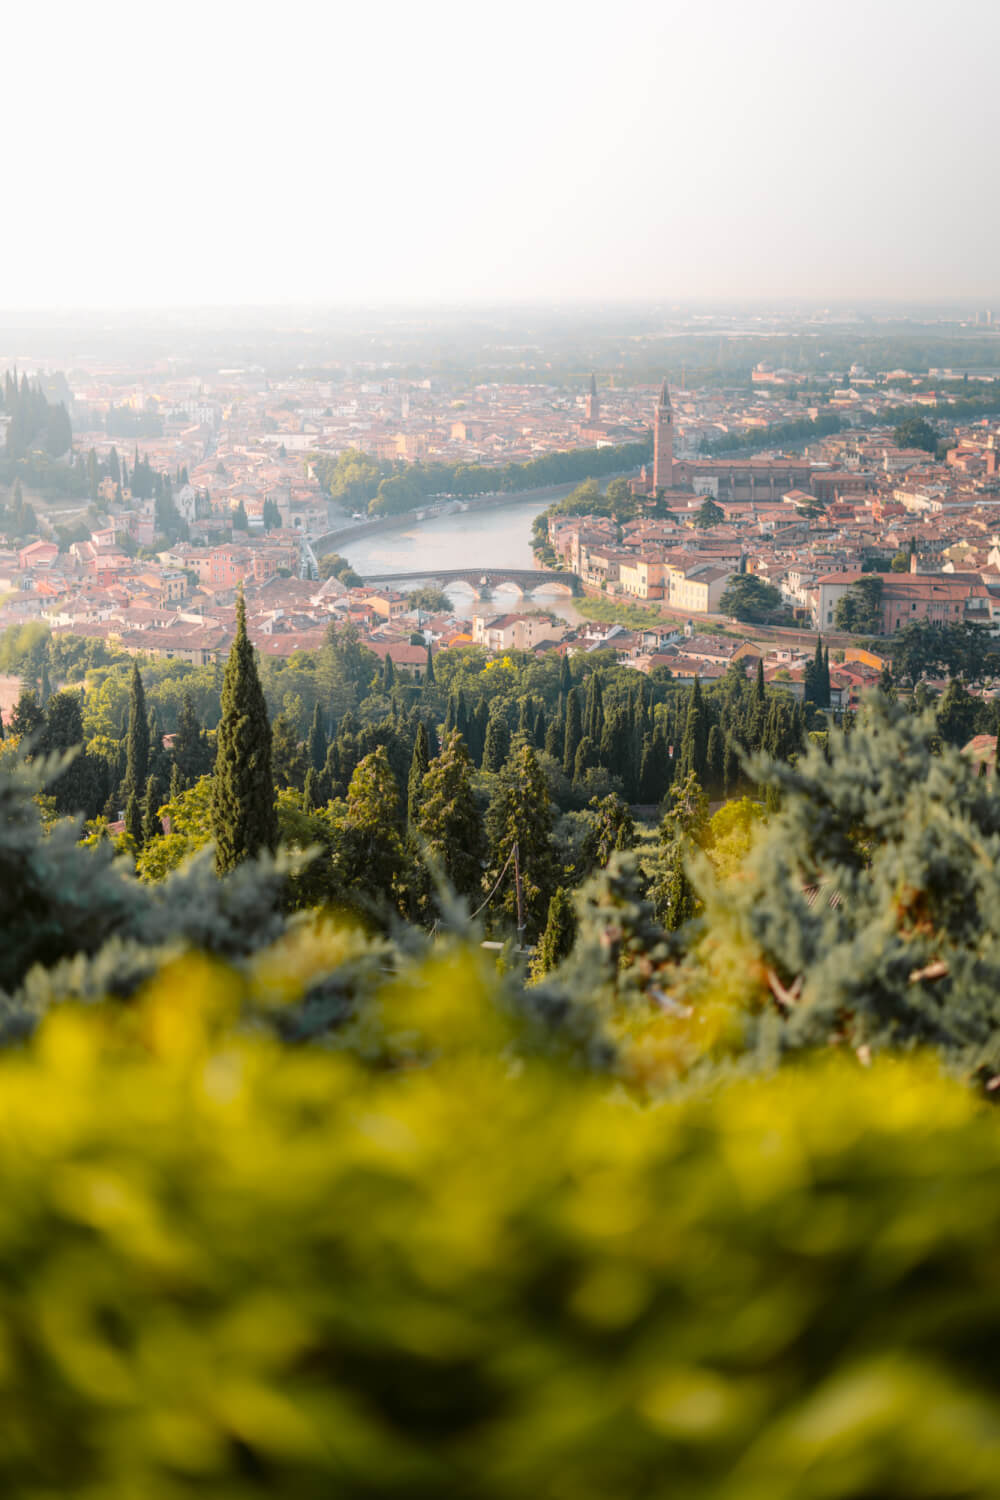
x=520, y=897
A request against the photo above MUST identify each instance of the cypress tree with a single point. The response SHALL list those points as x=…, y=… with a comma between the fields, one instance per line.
x=555, y=738
x=715, y=768
x=476, y=738
x=461, y=716
x=539, y=730
x=192, y=752
x=176, y=781
x=429, y=669
x=137, y=738
x=814, y=676
x=151, y=826
x=565, y=675
x=388, y=674
x=694, y=742
x=449, y=821
x=27, y=717
x=133, y=819
x=593, y=716
x=497, y=746
x=650, y=789
x=586, y=756
x=244, y=821
x=557, y=939
x=311, y=791
x=521, y=812
x=317, y=741
x=419, y=766
x=573, y=732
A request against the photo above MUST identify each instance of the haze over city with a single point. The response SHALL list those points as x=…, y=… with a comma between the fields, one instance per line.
x=214, y=155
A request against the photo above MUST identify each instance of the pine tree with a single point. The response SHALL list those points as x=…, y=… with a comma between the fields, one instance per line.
x=521, y=813
x=419, y=766
x=244, y=821
x=448, y=819
x=376, y=863
x=137, y=754
x=681, y=831
x=611, y=829
x=26, y=720
x=557, y=939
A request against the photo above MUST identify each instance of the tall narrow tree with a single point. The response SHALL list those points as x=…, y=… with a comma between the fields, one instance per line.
x=137, y=738
x=244, y=821
x=419, y=765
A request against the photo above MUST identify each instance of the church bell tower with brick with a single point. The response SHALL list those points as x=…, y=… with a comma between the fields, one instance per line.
x=663, y=443
x=593, y=404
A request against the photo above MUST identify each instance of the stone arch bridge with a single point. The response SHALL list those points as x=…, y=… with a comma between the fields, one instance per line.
x=483, y=580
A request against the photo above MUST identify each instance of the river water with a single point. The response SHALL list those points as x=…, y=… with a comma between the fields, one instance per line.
x=490, y=538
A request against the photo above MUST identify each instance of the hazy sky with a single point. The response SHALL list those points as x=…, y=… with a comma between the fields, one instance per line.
x=212, y=152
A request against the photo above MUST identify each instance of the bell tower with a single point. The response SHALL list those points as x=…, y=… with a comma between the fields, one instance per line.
x=593, y=404
x=663, y=442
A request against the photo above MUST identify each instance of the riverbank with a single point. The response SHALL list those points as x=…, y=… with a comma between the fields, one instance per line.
x=496, y=500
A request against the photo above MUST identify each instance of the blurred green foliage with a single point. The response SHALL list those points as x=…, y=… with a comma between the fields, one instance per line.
x=235, y=1268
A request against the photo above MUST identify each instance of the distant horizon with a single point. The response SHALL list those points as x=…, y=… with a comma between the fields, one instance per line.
x=437, y=156
x=963, y=305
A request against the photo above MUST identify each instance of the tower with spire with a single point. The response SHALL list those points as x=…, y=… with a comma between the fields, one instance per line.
x=663, y=443
x=593, y=404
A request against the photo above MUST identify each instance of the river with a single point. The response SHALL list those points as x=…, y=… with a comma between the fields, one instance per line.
x=497, y=538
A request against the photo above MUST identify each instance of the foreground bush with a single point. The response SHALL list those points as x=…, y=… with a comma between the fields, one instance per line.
x=232, y=1267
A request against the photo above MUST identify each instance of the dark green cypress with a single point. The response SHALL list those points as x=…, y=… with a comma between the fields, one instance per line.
x=244, y=820
x=593, y=713
x=429, y=669
x=419, y=766
x=137, y=752
x=317, y=741
x=497, y=746
x=151, y=804
x=574, y=732
x=133, y=820
x=539, y=730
